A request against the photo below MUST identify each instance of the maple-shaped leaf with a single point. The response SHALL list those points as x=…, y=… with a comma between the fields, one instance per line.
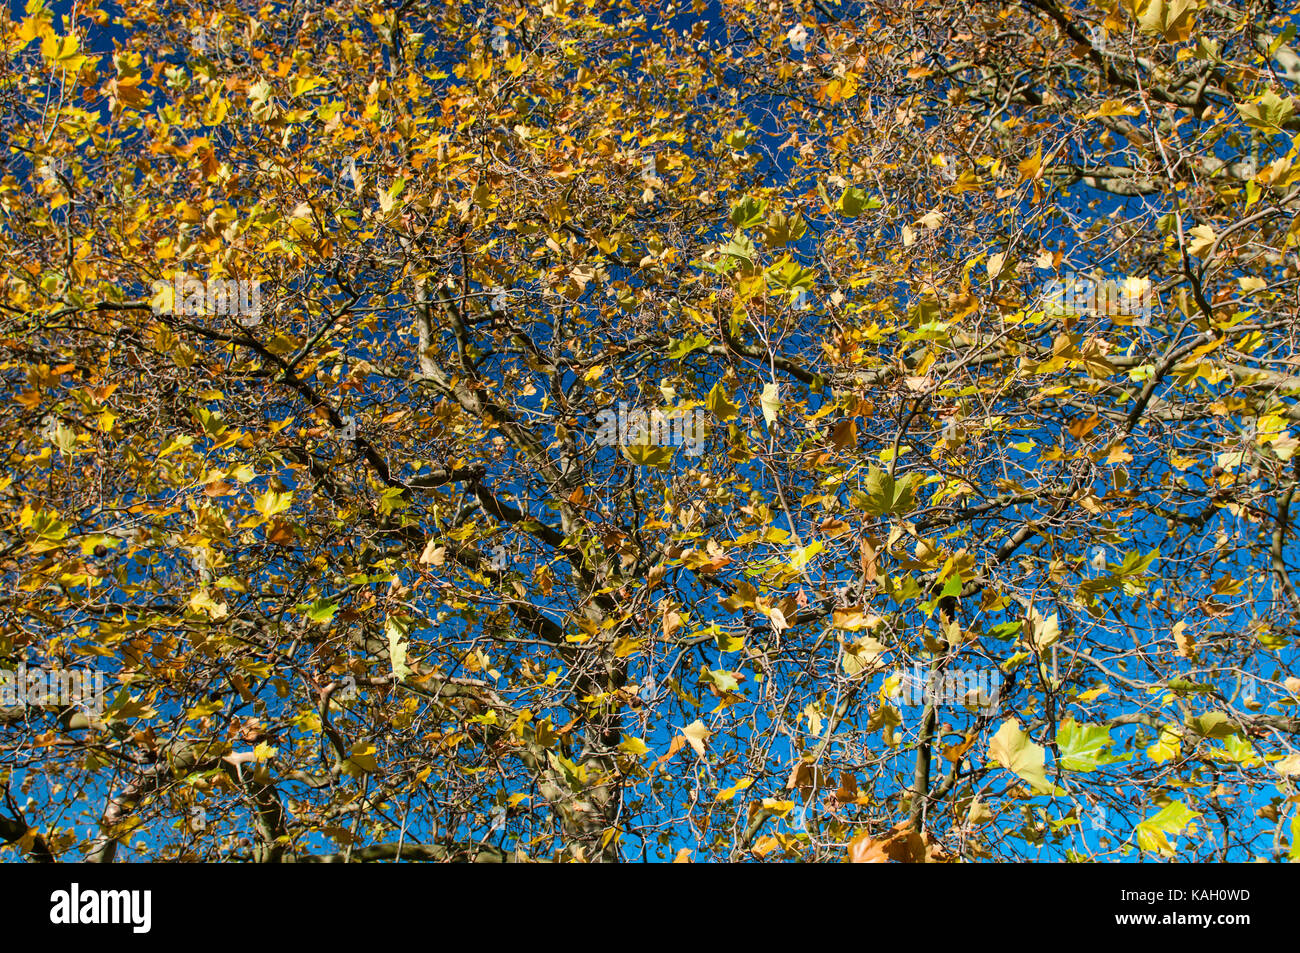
x=1012, y=748
x=1154, y=832
x=886, y=495
x=1269, y=113
x=1171, y=19
x=719, y=403
x=1085, y=747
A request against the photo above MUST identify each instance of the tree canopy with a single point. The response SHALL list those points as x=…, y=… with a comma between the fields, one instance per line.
x=965, y=336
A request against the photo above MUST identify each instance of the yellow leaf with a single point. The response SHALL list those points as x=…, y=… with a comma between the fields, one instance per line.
x=1042, y=631
x=860, y=654
x=1013, y=749
x=1032, y=167
x=202, y=601
x=362, y=757
x=627, y=646
x=396, y=629
x=771, y=402
x=799, y=558
x=273, y=502
x=1203, y=239
x=633, y=746
x=726, y=794
x=1288, y=766
x=697, y=735
x=1172, y=19
x=1171, y=819
x=215, y=113
x=1166, y=748
x=978, y=813
x=854, y=619
x=1113, y=107
x=719, y=403
x=304, y=84
x=264, y=752
x=29, y=29
x=648, y=455
x=59, y=48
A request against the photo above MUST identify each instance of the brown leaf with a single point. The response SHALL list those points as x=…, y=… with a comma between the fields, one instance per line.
x=280, y=532
x=902, y=845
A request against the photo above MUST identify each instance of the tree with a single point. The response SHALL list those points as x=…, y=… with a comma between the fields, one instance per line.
x=613, y=430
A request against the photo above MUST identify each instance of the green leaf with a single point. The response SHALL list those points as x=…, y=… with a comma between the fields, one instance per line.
x=723, y=680
x=322, y=610
x=393, y=500
x=1135, y=563
x=748, y=212
x=678, y=349
x=885, y=495
x=1005, y=631
x=575, y=775
x=1084, y=747
x=789, y=275
x=741, y=249
x=853, y=202
x=1241, y=751
x=1213, y=724
x=737, y=139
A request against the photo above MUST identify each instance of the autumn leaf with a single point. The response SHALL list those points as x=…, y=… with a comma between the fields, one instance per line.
x=1269, y=113
x=1203, y=239
x=697, y=735
x=1153, y=833
x=1012, y=748
x=771, y=402
x=1171, y=19
x=273, y=502
x=719, y=403
x=885, y=495
x=1041, y=631
x=854, y=201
